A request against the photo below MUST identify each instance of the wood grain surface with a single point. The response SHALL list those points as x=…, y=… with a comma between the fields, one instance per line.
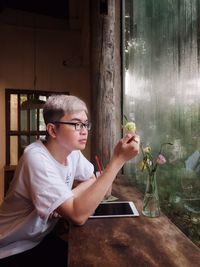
x=130, y=242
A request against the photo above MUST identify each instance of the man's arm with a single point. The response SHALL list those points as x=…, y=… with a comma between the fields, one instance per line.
x=79, y=207
x=80, y=186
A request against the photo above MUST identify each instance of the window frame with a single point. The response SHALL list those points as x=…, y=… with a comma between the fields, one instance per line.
x=19, y=132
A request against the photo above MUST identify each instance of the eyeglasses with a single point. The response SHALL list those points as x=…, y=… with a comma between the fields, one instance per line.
x=77, y=125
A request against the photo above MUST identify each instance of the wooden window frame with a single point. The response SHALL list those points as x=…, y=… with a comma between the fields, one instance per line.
x=28, y=132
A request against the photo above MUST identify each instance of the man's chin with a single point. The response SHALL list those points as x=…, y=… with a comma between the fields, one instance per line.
x=81, y=146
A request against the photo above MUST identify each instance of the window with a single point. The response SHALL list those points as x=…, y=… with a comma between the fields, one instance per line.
x=161, y=49
x=24, y=121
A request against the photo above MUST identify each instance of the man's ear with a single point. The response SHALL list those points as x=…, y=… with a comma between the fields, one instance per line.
x=51, y=129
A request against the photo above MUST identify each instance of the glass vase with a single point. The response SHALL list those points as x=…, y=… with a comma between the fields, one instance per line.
x=151, y=206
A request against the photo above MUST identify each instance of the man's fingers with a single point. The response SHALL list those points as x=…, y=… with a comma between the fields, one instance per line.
x=129, y=138
x=136, y=138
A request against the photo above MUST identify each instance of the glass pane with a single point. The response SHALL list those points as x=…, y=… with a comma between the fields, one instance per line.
x=13, y=112
x=23, y=120
x=23, y=101
x=24, y=143
x=42, y=137
x=33, y=119
x=13, y=150
x=42, y=126
x=162, y=94
x=23, y=112
x=42, y=97
x=33, y=138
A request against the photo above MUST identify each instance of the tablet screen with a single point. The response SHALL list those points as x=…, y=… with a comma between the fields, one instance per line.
x=115, y=209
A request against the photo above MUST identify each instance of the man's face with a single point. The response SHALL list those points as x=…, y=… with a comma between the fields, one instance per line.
x=70, y=136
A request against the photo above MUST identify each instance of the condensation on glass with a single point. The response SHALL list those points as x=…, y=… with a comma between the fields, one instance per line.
x=161, y=53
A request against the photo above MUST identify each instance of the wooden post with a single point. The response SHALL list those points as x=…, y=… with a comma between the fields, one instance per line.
x=105, y=77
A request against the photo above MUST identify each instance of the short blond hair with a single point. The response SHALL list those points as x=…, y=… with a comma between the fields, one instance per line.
x=57, y=106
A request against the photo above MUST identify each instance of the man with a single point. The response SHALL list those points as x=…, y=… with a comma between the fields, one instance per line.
x=41, y=190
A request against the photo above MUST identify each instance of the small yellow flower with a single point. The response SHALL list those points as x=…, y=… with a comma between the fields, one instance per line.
x=142, y=165
x=147, y=149
x=149, y=162
x=130, y=127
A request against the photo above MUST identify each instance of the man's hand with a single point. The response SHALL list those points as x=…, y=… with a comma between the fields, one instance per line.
x=127, y=148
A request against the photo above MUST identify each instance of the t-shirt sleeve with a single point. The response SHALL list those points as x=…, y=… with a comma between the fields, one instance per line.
x=84, y=168
x=46, y=187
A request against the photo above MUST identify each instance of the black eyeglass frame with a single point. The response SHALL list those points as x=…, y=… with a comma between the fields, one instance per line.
x=77, y=125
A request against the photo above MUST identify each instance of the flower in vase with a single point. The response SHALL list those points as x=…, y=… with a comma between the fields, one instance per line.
x=151, y=206
x=148, y=162
x=161, y=159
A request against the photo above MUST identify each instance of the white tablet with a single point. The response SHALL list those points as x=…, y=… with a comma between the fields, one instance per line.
x=115, y=209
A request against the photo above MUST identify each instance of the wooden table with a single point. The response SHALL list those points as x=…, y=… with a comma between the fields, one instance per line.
x=130, y=242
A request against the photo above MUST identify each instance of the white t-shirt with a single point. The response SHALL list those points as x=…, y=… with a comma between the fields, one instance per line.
x=39, y=186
